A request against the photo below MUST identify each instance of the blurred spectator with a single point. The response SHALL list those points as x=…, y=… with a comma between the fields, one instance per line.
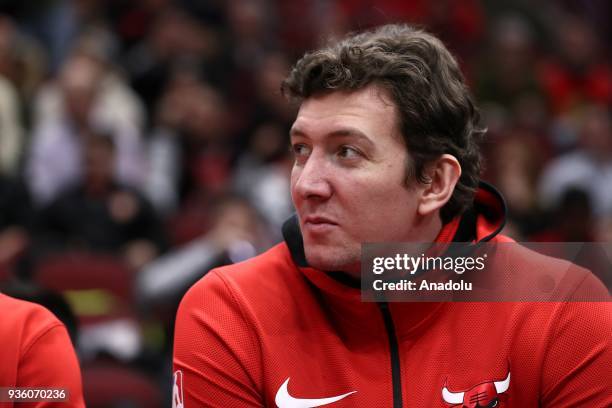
x=175, y=39
x=254, y=91
x=572, y=220
x=603, y=232
x=302, y=24
x=459, y=24
x=11, y=130
x=238, y=233
x=252, y=25
x=15, y=221
x=596, y=12
x=15, y=215
x=577, y=74
x=588, y=168
x=515, y=165
x=191, y=145
x=262, y=102
x=133, y=20
x=22, y=59
x=269, y=103
x=101, y=214
x=88, y=97
x=15, y=203
x=506, y=80
x=262, y=174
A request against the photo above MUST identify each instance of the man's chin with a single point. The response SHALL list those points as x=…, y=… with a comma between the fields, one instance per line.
x=327, y=260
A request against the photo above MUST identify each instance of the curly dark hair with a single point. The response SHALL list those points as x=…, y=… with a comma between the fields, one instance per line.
x=437, y=114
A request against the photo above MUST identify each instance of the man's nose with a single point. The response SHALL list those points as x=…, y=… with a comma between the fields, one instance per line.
x=313, y=179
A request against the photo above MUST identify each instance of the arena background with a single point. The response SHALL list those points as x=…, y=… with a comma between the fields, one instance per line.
x=144, y=142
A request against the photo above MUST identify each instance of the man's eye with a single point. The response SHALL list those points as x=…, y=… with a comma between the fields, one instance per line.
x=348, y=152
x=300, y=150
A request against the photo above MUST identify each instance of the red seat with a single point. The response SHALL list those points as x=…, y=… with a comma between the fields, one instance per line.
x=96, y=285
x=84, y=270
x=108, y=384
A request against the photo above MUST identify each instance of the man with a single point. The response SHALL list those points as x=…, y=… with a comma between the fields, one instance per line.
x=85, y=94
x=385, y=145
x=36, y=353
x=99, y=213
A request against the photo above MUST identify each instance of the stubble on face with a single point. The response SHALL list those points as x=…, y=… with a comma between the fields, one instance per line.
x=365, y=194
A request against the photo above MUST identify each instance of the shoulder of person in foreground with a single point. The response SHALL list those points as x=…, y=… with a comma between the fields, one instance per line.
x=577, y=363
x=544, y=277
x=37, y=352
x=216, y=350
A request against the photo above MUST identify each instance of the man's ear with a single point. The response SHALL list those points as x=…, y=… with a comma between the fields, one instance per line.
x=443, y=174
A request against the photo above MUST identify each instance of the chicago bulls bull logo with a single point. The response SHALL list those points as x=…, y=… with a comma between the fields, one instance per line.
x=486, y=394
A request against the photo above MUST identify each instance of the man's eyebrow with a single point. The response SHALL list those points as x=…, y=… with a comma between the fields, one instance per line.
x=294, y=131
x=345, y=132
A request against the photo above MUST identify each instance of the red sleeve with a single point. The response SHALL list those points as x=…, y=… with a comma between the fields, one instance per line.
x=578, y=363
x=49, y=361
x=216, y=357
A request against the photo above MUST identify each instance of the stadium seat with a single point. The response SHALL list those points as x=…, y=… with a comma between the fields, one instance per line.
x=98, y=288
x=110, y=385
x=94, y=284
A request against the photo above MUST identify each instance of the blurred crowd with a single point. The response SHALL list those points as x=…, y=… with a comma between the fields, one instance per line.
x=145, y=142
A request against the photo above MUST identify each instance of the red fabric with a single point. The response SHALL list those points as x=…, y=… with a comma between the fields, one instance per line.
x=448, y=231
x=243, y=330
x=36, y=352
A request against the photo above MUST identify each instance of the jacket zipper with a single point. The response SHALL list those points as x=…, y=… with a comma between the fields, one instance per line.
x=395, y=357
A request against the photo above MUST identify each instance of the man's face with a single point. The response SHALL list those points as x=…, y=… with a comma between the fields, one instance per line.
x=348, y=179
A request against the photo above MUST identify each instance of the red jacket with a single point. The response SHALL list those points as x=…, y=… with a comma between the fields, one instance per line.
x=36, y=352
x=274, y=332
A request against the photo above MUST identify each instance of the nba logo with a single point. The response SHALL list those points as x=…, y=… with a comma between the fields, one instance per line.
x=177, y=390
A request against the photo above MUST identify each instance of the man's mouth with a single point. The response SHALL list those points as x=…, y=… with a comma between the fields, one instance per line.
x=318, y=220
x=318, y=225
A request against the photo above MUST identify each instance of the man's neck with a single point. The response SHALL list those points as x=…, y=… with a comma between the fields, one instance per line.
x=427, y=229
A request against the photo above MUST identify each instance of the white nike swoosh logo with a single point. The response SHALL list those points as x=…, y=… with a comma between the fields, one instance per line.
x=285, y=400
